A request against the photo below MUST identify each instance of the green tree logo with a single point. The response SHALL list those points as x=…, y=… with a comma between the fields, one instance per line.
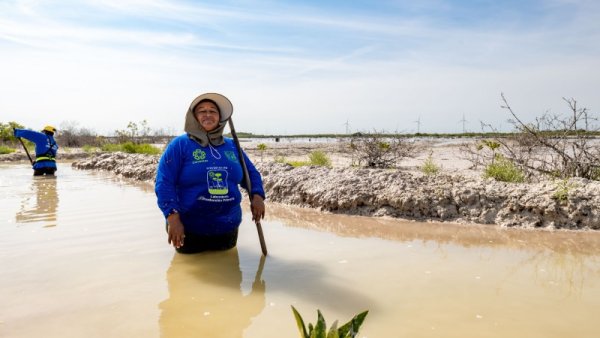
x=217, y=182
x=216, y=177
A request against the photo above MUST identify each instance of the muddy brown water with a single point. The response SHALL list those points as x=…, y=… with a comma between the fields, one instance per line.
x=85, y=255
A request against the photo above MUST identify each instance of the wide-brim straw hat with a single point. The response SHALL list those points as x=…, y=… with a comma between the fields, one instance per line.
x=225, y=106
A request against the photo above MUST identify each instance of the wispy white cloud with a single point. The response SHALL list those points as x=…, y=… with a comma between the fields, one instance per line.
x=146, y=59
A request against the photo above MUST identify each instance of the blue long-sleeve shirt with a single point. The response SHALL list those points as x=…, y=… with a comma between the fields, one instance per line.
x=45, y=147
x=202, y=184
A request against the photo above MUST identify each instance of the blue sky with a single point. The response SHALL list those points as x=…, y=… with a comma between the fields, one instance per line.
x=292, y=67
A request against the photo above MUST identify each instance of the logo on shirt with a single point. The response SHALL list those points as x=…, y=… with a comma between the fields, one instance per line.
x=231, y=156
x=217, y=182
x=199, y=155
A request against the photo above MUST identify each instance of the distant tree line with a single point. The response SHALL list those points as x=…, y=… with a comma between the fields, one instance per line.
x=69, y=134
x=559, y=146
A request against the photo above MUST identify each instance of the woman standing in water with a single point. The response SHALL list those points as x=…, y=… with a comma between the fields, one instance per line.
x=197, y=181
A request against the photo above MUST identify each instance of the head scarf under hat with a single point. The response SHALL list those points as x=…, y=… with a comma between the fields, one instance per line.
x=195, y=130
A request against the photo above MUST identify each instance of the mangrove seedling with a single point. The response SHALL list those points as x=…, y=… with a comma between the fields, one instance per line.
x=348, y=330
x=262, y=147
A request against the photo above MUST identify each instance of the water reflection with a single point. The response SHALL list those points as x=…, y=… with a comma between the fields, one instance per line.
x=206, y=298
x=568, y=259
x=41, y=204
x=571, y=271
x=491, y=236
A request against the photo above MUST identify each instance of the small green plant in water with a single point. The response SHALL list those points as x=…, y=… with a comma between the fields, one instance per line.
x=348, y=330
x=429, y=166
x=504, y=170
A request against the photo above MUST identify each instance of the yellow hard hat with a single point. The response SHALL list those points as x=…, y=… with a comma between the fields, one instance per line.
x=50, y=129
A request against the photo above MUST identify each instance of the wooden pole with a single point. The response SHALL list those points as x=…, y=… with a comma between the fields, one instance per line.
x=26, y=151
x=263, y=245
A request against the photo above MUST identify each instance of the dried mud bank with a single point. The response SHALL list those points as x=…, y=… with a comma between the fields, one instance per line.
x=405, y=194
x=136, y=166
x=443, y=197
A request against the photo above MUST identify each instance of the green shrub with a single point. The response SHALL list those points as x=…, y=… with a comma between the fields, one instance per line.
x=89, y=149
x=297, y=164
x=144, y=148
x=6, y=150
x=318, y=157
x=562, y=190
x=504, y=170
x=280, y=159
x=6, y=131
x=111, y=147
x=132, y=148
x=429, y=166
x=348, y=330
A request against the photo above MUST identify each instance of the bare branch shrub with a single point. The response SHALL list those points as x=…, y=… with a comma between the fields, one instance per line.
x=472, y=152
x=559, y=146
x=71, y=135
x=135, y=132
x=378, y=150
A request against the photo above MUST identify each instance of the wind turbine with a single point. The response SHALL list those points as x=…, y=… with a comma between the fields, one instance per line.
x=418, y=122
x=463, y=123
x=347, y=124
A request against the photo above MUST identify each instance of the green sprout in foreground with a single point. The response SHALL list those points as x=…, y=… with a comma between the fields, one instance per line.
x=348, y=330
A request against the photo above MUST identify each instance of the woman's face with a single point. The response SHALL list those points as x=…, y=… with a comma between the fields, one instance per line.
x=207, y=114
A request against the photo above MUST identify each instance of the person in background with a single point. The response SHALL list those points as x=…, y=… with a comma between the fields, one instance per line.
x=198, y=178
x=45, y=149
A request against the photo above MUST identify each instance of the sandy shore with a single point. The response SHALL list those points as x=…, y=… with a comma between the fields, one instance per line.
x=457, y=194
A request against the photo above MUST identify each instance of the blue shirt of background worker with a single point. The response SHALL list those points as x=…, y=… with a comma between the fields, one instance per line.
x=198, y=179
x=45, y=149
